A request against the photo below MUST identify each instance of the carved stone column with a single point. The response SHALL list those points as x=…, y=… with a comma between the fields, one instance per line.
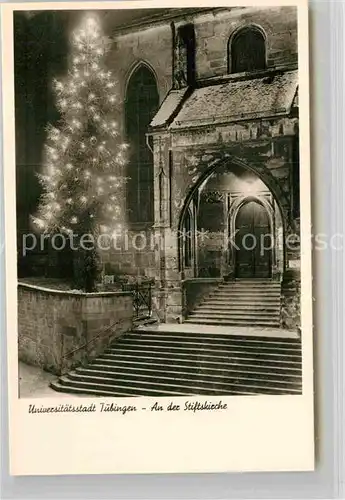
x=168, y=296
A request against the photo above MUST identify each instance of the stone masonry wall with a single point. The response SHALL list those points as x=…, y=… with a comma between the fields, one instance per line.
x=153, y=47
x=153, y=44
x=132, y=254
x=52, y=324
x=214, y=30
x=291, y=301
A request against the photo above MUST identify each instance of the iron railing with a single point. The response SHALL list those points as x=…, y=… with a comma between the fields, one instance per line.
x=142, y=298
x=107, y=331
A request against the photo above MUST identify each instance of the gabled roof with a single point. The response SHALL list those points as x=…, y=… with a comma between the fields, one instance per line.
x=169, y=107
x=229, y=101
x=233, y=101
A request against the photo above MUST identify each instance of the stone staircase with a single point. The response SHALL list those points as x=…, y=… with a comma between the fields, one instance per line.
x=153, y=363
x=241, y=303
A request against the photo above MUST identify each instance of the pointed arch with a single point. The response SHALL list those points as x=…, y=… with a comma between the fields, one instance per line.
x=136, y=65
x=141, y=104
x=273, y=187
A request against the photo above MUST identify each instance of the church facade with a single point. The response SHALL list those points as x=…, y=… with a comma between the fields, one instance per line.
x=210, y=112
x=211, y=108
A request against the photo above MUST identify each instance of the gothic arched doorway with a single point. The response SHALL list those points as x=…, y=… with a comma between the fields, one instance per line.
x=215, y=201
x=253, y=258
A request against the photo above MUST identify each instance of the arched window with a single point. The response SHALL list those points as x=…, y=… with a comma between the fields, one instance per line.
x=140, y=107
x=247, y=50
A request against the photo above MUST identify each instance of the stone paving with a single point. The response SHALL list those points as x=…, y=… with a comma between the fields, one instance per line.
x=34, y=383
x=222, y=330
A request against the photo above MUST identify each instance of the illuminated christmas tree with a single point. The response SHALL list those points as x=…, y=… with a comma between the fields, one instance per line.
x=82, y=177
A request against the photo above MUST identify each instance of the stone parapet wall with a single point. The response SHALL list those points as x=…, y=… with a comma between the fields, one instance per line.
x=53, y=325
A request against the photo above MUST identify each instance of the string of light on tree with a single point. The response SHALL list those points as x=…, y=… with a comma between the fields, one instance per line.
x=84, y=155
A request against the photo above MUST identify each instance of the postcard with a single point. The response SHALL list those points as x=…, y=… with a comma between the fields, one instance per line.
x=158, y=246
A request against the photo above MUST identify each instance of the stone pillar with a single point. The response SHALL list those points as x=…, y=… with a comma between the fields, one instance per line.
x=226, y=269
x=168, y=293
x=231, y=250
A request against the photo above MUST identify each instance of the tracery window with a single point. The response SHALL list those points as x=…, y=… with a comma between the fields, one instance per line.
x=140, y=107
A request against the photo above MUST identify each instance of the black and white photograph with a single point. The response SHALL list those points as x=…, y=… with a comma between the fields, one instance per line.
x=158, y=202
x=158, y=237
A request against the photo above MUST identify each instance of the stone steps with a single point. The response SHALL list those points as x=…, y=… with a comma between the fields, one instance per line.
x=246, y=365
x=243, y=285
x=240, y=303
x=232, y=322
x=192, y=384
x=189, y=349
x=208, y=358
x=247, y=291
x=182, y=374
x=236, y=313
x=212, y=341
x=200, y=338
x=226, y=306
x=146, y=363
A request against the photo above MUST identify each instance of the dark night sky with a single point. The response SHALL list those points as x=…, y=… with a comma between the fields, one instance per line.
x=40, y=48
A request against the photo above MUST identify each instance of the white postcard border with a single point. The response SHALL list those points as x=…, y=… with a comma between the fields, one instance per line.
x=261, y=433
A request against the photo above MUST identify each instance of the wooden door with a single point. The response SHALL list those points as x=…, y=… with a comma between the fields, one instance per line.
x=253, y=260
